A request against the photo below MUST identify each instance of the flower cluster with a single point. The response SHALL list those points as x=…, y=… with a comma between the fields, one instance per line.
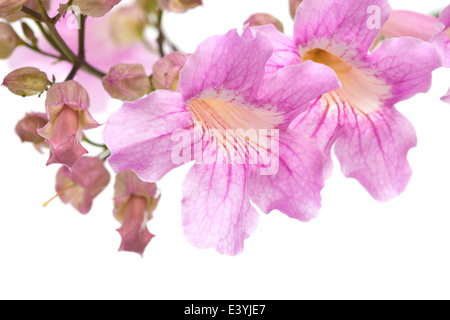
x=258, y=113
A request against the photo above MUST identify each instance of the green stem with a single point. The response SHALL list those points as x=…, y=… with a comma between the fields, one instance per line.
x=81, y=52
x=161, y=37
x=86, y=139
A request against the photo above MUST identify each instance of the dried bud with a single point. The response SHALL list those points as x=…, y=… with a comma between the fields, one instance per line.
x=179, y=5
x=262, y=19
x=127, y=82
x=67, y=109
x=8, y=40
x=8, y=7
x=134, y=203
x=293, y=6
x=127, y=25
x=79, y=186
x=27, y=129
x=95, y=8
x=166, y=71
x=26, y=82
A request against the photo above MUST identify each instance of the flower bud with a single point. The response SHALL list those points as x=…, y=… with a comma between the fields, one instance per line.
x=293, y=6
x=81, y=185
x=179, y=5
x=8, y=40
x=95, y=8
x=148, y=5
x=26, y=82
x=127, y=25
x=166, y=71
x=8, y=7
x=31, y=4
x=67, y=110
x=27, y=129
x=262, y=19
x=134, y=203
x=127, y=82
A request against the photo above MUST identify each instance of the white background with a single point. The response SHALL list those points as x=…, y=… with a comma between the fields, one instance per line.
x=356, y=248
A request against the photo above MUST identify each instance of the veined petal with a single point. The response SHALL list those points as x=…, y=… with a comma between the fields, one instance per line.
x=285, y=52
x=227, y=62
x=139, y=134
x=442, y=44
x=340, y=27
x=295, y=189
x=291, y=88
x=216, y=208
x=374, y=152
x=405, y=64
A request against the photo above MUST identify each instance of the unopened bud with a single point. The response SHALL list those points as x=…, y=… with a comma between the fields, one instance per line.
x=27, y=129
x=95, y=8
x=262, y=19
x=30, y=4
x=293, y=6
x=26, y=81
x=8, y=40
x=127, y=25
x=8, y=7
x=166, y=71
x=127, y=82
x=179, y=5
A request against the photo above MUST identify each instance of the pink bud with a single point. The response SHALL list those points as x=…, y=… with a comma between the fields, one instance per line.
x=67, y=108
x=8, y=7
x=166, y=71
x=27, y=129
x=8, y=40
x=95, y=8
x=179, y=5
x=293, y=6
x=127, y=25
x=134, y=202
x=31, y=4
x=411, y=24
x=262, y=19
x=127, y=82
x=79, y=186
x=26, y=82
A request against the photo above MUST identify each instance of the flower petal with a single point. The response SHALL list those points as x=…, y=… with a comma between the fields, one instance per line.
x=216, y=208
x=374, y=152
x=340, y=27
x=295, y=189
x=285, y=52
x=405, y=64
x=227, y=62
x=139, y=134
x=446, y=98
x=291, y=88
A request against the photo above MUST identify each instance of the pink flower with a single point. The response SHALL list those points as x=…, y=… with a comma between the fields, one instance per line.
x=370, y=137
x=27, y=129
x=81, y=185
x=134, y=202
x=220, y=98
x=104, y=49
x=67, y=109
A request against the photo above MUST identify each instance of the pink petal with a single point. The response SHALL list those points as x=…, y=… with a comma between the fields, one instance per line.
x=216, y=209
x=285, y=52
x=374, y=152
x=442, y=44
x=405, y=64
x=340, y=27
x=295, y=189
x=139, y=134
x=446, y=98
x=291, y=88
x=227, y=62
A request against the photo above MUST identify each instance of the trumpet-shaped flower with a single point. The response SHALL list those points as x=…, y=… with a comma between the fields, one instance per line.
x=223, y=115
x=67, y=110
x=134, y=202
x=370, y=137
